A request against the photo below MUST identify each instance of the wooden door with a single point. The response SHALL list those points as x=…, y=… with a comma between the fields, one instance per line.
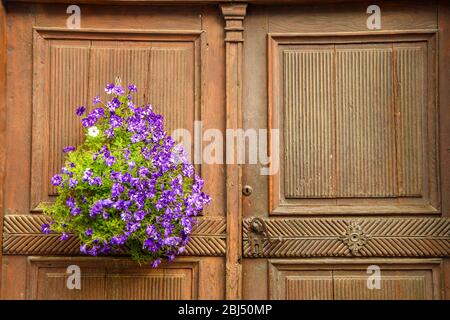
x=175, y=55
x=363, y=136
x=363, y=177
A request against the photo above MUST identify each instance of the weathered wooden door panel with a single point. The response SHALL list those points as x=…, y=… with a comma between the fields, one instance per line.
x=175, y=57
x=360, y=175
x=347, y=280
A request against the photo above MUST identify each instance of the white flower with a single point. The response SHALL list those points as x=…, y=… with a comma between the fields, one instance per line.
x=93, y=131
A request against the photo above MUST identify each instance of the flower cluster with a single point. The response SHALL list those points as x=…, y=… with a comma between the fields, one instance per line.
x=127, y=185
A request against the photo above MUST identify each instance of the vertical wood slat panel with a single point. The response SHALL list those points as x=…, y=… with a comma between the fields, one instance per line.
x=130, y=64
x=164, y=76
x=68, y=89
x=54, y=287
x=171, y=86
x=309, y=288
x=365, y=123
x=410, y=105
x=391, y=288
x=157, y=287
x=308, y=124
x=377, y=130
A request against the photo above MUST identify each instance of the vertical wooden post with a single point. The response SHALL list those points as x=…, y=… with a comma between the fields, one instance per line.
x=234, y=17
x=2, y=125
x=444, y=116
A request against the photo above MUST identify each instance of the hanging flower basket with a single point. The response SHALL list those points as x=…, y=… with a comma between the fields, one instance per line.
x=127, y=185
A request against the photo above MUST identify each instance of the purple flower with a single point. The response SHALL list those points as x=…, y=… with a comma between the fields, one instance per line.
x=97, y=181
x=73, y=183
x=187, y=170
x=97, y=113
x=45, y=228
x=170, y=256
x=70, y=202
x=80, y=110
x=150, y=230
x=143, y=171
x=118, y=90
x=139, y=215
x=93, y=251
x=96, y=209
x=68, y=149
x=149, y=191
x=56, y=180
x=115, y=176
x=118, y=240
x=64, y=236
x=107, y=203
x=84, y=249
x=110, y=161
x=171, y=241
x=125, y=215
x=109, y=133
x=126, y=154
x=116, y=190
x=87, y=174
x=126, y=177
x=89, y=121
x=66, y=171
x=113, y=104
x=96, y=100
x=75, y=211
x=88, y=232
x=115, y=121
x=156, y=263
x=109, y=88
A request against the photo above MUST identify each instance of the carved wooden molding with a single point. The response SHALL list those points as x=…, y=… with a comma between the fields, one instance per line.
x=22, y=236
x=234, y=16
x=346, y=237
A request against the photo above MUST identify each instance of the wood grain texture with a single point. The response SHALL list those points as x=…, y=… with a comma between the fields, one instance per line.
x=358, y=126
x=328, y=237
x=119, y=59
x=365, y=141
x=234, y=15
x=316, y=286
x=308, y=121
x=348, y=17
x=411, y=285
x=174, y=99
x=412, y=96
x=444, y=117
x=344, y=279
x=3, y=133
x=113, y=279
x=68, y=68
